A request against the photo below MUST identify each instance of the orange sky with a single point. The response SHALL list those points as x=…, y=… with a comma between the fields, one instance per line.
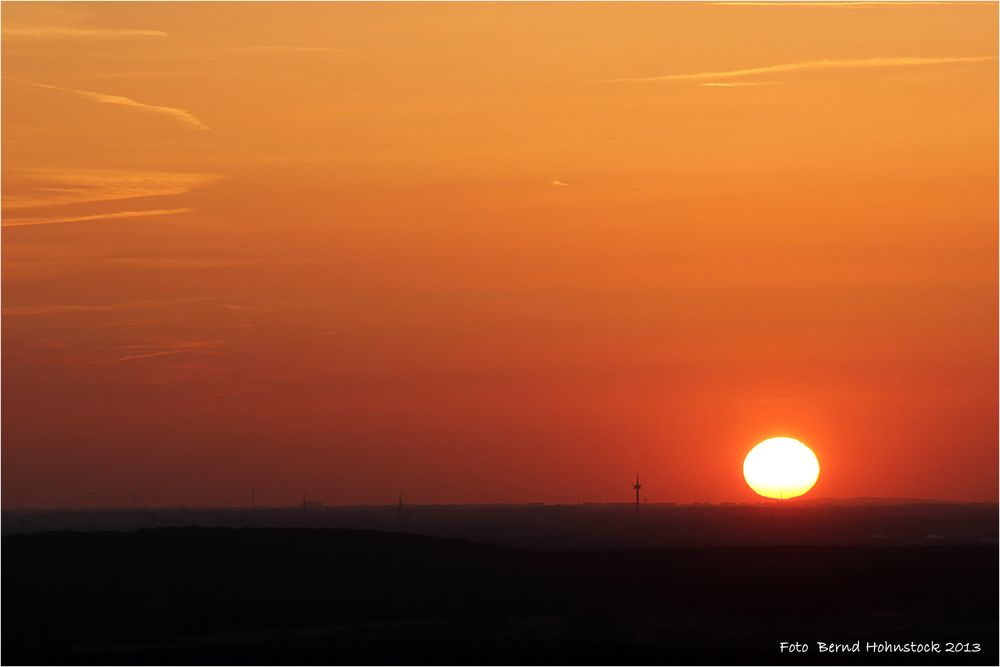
x=495, y=252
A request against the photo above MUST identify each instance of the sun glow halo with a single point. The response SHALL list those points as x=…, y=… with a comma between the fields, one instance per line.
x=780, y=468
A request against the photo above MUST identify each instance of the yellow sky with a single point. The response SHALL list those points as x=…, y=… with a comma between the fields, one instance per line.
x=496, y=251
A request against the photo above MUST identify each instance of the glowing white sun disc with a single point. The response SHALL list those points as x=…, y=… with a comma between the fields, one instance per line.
x=780, y=468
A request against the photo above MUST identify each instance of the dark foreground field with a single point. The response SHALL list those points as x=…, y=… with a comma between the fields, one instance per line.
x=291, y=595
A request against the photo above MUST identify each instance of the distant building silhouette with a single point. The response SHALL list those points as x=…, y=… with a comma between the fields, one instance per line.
x=402, y=513
x=637, y=486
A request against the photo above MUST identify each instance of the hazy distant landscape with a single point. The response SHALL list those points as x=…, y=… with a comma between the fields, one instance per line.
x=587, y=526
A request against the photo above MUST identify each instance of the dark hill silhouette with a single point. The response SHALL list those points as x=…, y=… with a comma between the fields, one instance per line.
x=565, y=527
x=280, y=596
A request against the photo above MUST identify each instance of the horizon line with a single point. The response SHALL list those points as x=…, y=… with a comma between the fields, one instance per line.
x=874, y=500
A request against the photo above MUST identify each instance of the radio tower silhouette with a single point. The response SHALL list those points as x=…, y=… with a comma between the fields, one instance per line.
x=637, y=486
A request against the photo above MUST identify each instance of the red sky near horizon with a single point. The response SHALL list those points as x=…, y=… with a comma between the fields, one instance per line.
x=495, y=252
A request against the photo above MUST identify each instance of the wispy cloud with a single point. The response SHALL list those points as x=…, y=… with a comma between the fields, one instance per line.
x=559, y=183
x=849, y=3
x=190, y=262
x=318, y=334
x=117, y=215
x=179, y=115
x=324, y=334
x=148, y=355
x=738, y=84
x=286, y=49
x=809, y=65
x=65, y=308
x=28, y=188
x=187, y=347
x=65, y=32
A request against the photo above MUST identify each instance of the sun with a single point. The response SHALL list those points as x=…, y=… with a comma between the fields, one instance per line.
x=780, y=468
